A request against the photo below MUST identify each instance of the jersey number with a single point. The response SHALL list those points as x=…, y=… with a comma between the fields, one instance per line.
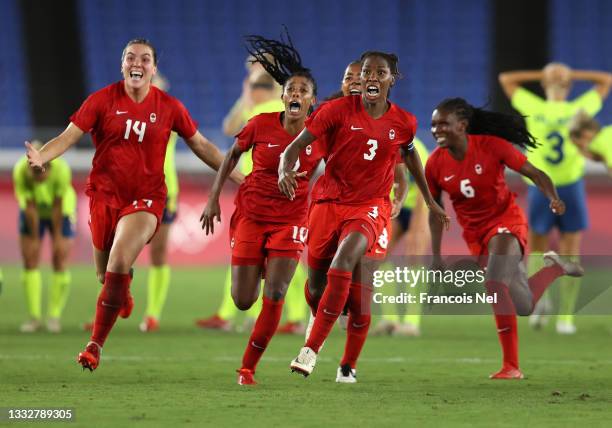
x=300, y=234
x=138, y=128
x=467, y=190
x=557, y=147
x=374, y=146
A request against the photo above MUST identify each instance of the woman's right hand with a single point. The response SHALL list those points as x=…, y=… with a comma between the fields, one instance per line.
x=287, y=182
x=34, y=158
x=211, y=210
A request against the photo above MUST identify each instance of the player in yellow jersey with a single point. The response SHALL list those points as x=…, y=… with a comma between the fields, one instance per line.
x=547, y=120
x=411, y=223
x=593, y=141
x=47, y=201
x=158, y=280
x=260, y=94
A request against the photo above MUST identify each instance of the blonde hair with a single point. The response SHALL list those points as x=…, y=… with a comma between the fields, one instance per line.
x=582, y=121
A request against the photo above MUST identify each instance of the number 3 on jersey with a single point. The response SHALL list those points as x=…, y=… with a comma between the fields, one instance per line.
x=138, y=128
x=373, y=147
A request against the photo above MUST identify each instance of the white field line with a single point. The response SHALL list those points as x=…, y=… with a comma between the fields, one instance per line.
x=287, y=359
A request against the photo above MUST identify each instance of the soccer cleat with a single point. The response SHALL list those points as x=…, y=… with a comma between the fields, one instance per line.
x=90, y=357
x=305, y=362
x=291, y=327
x=507, y=373
x=384, y=327
x=214, y=323
x=148, y=325
x=54, y=325
x=566, y=328
x=346, y=374
x=540, y=316
x=569, y=268
x=245, y=377
x=31, y=326
x=406, y=329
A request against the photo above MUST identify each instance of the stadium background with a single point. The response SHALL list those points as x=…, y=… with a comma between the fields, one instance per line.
x=446, y=48
x=54, y=53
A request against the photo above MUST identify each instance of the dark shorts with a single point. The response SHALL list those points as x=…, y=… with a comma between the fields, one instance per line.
x=68, y=227
x=576, y=217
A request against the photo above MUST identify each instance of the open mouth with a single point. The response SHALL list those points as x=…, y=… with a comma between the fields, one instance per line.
x=440, y=138
x=372, y=90
x=294, y=107
x=355, y=91
x=136, y=75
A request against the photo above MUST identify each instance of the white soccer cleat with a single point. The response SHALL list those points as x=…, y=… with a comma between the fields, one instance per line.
x=569, y=268
x=346, y=374
x=406, y=329
x=54, y=325
x=305, y=362
x=540, y=316
x=31, y=326
x=566, y=328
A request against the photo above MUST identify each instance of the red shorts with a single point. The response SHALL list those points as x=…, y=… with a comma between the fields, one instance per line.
x=514, y=223
x=252, y=241
x=103, y=218
x=329, y=223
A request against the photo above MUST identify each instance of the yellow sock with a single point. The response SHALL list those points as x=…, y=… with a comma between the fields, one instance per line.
x=32, y=284
x=58, y=293
x=228, y=309
x=157, y=286
x=569, y=290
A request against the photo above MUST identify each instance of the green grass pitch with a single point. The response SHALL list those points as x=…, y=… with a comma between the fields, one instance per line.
x=182, y=376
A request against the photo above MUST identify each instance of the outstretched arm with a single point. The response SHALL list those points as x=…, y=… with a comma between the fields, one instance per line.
x=413, y=162
x=511, y=80
x=543, y=182
x=601, y=79
x=210, y=154
x=213, y=209
x=54, y=148
x=287, y=182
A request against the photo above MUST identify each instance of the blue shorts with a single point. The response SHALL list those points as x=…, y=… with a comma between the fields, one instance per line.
x=168, y=217
x=404, y=218
x=68, y=229
x=542, y=219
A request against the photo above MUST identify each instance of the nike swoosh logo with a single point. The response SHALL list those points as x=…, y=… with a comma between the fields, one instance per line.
x=353, y=128
x=121, y=112
x=109, y=306
x=377, y=251
x=450, y=177
x=503, y=330
x=256, y=346
x=360, y=325
x=273, y=145
x=325, y=311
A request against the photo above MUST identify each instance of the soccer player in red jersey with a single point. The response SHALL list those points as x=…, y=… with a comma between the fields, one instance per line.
x=267, y=231
x=364, y=134
x=356, y=316
x=475, y=146
x=130, y=122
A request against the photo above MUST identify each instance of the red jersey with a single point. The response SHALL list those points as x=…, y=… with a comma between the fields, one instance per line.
x=476, y=184
x=258, y=197
x=362, y=151
x=130, y=141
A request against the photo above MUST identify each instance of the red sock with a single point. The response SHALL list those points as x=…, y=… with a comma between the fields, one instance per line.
x=330, y=308
x=508, y=338
x=504, y=305
x=358, y=323
x=311, y=300
x=265, y=326
x=111, y=299
x=539, y=281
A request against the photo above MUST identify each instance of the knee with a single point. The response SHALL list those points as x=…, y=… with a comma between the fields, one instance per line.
x=243, y=303
x=276, y=290
x=119, y=263
x=523, y=309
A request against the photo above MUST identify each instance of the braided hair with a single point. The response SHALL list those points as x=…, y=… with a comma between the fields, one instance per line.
x=279, y=58
x=510, y=127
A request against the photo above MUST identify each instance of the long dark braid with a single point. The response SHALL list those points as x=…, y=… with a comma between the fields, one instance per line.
x=510, y=127
x=279, y=58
